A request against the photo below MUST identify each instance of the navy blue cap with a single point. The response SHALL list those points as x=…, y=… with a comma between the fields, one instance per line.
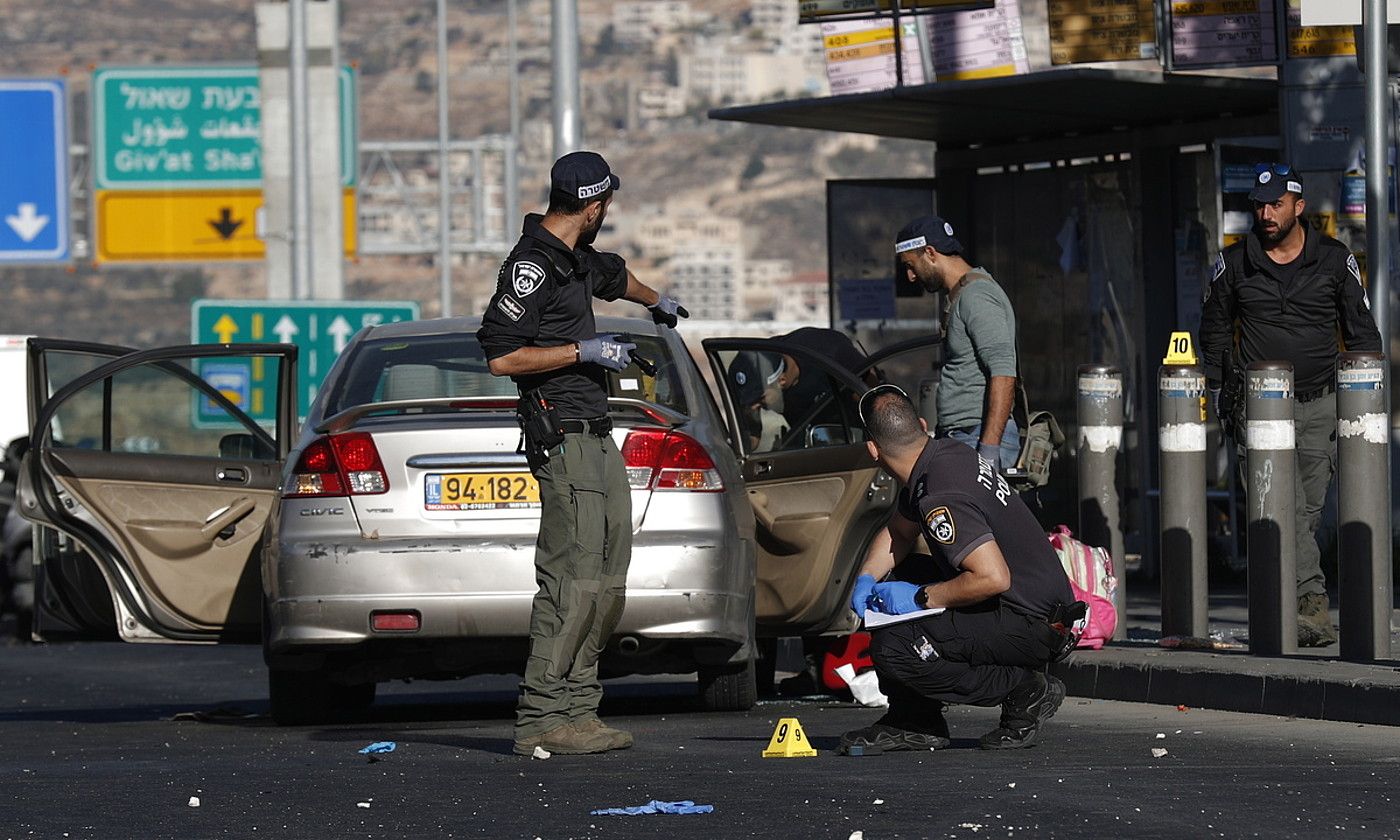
x=927, y=231
x=582, y=175
x=1272, y=181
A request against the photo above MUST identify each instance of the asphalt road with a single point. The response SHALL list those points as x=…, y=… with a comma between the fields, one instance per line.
x=88, y=749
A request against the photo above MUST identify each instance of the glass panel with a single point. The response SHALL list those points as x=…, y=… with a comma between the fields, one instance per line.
x=170, y=408
x=786, y=404
x=428, y=367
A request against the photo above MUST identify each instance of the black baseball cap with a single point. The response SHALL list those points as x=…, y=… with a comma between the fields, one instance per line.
x=1272, y=180
x=927, y=231
x=582, y=175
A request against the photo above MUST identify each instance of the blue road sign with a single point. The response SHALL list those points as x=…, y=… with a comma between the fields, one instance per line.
x=33, y=171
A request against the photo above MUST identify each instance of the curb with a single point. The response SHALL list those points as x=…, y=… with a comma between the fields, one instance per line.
x=1303, y=687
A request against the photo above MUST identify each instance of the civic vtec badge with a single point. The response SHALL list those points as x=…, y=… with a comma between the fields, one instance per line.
x=330, y=511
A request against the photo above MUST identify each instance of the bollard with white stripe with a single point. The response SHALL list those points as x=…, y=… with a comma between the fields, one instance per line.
x=1100, y=416
x=1363, y=507
x=1273, y=553
x=1182, y=441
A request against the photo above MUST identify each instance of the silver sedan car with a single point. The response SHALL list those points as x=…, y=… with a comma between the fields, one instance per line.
x=393, y=536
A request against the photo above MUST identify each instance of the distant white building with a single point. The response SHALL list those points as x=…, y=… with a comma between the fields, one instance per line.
x=776, y=21
x=804, y=298
x=667, y=230
x=658, y=102
x=759, y=289
x=645, y=21
x=716, y=73
x=706, y=277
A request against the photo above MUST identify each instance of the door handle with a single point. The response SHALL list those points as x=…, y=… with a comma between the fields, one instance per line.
x=222, y=521
x=232, y=475
x=762, y=467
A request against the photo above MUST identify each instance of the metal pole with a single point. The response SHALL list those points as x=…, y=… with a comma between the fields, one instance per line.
x=923, y=23
x=1377, y=165
x=444, y=169
x=512, y=197
x=1182, y=437
x=301, y=155
x=898, y=48
x=1363, y=548
x=568, y=131
x=1273, y=551
x=1100, y=416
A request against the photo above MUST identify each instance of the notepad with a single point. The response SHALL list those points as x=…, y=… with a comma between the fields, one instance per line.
x=874, y=619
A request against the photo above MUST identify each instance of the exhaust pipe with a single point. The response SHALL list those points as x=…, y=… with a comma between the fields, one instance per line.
x=629, y=645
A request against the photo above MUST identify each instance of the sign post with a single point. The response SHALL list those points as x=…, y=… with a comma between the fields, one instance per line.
x=320, y=332
x=34, y=171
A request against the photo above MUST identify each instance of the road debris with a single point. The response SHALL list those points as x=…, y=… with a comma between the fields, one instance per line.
x=655, y=806
x=194, y=801
x=541, y=753
x=1158, y=752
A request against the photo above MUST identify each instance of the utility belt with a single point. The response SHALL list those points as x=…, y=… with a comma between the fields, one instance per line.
x=1312, y=395
x=542, y=429
x=596, y=426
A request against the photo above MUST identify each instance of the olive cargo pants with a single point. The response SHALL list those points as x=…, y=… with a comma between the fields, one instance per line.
x=581, y=558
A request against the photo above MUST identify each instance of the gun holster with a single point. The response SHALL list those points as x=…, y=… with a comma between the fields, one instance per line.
x=1068, y=621
x=1231, y=394
x=540, y=427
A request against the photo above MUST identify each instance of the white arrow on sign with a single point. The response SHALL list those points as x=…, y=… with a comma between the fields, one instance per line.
x=340, y=330
x=285, y=329
x=28, y=223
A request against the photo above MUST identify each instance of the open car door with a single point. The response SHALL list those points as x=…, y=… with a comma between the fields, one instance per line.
x=817, y=496
x=159, y=469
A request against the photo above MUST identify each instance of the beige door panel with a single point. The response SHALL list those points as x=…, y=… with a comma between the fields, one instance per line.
x=801, y=526
x=190, y=545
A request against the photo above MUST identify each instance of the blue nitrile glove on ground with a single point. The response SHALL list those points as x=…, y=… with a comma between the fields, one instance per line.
x=656, y=806
x=606, y=350
x=895, y=597
x=666, y=310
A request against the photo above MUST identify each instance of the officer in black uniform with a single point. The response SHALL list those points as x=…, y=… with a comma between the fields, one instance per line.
x=1008, y=611
x=538, y=329
x=1291, y=293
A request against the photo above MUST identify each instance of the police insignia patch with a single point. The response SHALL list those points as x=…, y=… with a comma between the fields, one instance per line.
x=1356, y=273
x=940, y=524
x=527, y=277
x=511, y=307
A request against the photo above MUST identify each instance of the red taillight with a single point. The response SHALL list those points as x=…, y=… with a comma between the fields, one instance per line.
x=662, y=460
x=407, y=621
x=339, y=465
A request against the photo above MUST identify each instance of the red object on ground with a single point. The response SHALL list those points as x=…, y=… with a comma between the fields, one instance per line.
x=853, y=649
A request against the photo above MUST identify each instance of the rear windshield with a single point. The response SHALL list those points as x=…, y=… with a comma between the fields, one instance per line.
x=424, y=367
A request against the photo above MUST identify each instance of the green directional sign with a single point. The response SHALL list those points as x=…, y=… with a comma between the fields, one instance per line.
x=319, y=329
x=191, y=127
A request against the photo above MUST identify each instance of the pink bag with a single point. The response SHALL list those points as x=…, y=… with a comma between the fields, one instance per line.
x=1090, y=572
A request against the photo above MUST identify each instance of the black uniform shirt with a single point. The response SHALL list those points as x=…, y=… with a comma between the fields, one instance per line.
x=813, y=386
x=544, y=299
x=961, y=504
x=1289, y=315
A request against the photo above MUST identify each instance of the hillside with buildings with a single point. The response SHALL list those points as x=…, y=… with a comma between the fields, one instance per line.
x=731, y=217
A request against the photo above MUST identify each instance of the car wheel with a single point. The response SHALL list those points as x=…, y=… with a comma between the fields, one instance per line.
x=300, y=698
x=728, y=688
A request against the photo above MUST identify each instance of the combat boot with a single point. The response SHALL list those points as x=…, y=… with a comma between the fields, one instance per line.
x=1025, y=708
x=893, y=733
x=564, y=740
x=617, y=739
x=1315, y=628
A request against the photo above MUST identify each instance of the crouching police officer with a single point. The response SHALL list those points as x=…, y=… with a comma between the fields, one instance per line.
x=538, y=329
x=1008, y=611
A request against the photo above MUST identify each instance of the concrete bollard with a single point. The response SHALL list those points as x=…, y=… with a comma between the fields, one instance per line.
x=1272, y=464
x=1100, y=416
x=1363, y=507
x=1182, y=440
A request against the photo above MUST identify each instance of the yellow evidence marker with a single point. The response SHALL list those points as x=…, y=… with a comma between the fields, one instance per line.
x=1179, y=350
x=789, y=741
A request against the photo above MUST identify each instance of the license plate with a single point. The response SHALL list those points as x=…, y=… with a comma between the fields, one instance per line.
x=480, y=491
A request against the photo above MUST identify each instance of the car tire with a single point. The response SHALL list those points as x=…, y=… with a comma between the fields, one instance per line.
x=302, y=698
x=728, y=688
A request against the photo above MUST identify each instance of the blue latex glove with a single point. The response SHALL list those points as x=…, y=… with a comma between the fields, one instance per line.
x=991, y=453
x=379, y=747
x=666, y=310
x=894, y=597
x=606, y=350
x=656, y=806
x=860, y=596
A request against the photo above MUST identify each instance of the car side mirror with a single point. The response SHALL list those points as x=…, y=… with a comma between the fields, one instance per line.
x=826, y=435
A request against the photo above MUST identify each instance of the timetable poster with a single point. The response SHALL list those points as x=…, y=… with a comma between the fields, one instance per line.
x=1222, y=33
x=1084, y=31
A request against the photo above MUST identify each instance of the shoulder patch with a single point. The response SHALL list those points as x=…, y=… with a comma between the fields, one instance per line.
x=510, y=307
x=1217, y=270
x=1356, y=274
x=526, y=277
x=939, y=523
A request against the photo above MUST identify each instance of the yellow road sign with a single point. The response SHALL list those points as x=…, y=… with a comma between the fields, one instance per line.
x=194, y=225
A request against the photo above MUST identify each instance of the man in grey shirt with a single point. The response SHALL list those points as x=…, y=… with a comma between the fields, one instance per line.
x=978, y=385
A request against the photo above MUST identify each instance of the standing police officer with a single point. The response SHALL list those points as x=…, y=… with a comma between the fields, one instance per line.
x=1008, y=609
x=1292, y=293
x=538, y=329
